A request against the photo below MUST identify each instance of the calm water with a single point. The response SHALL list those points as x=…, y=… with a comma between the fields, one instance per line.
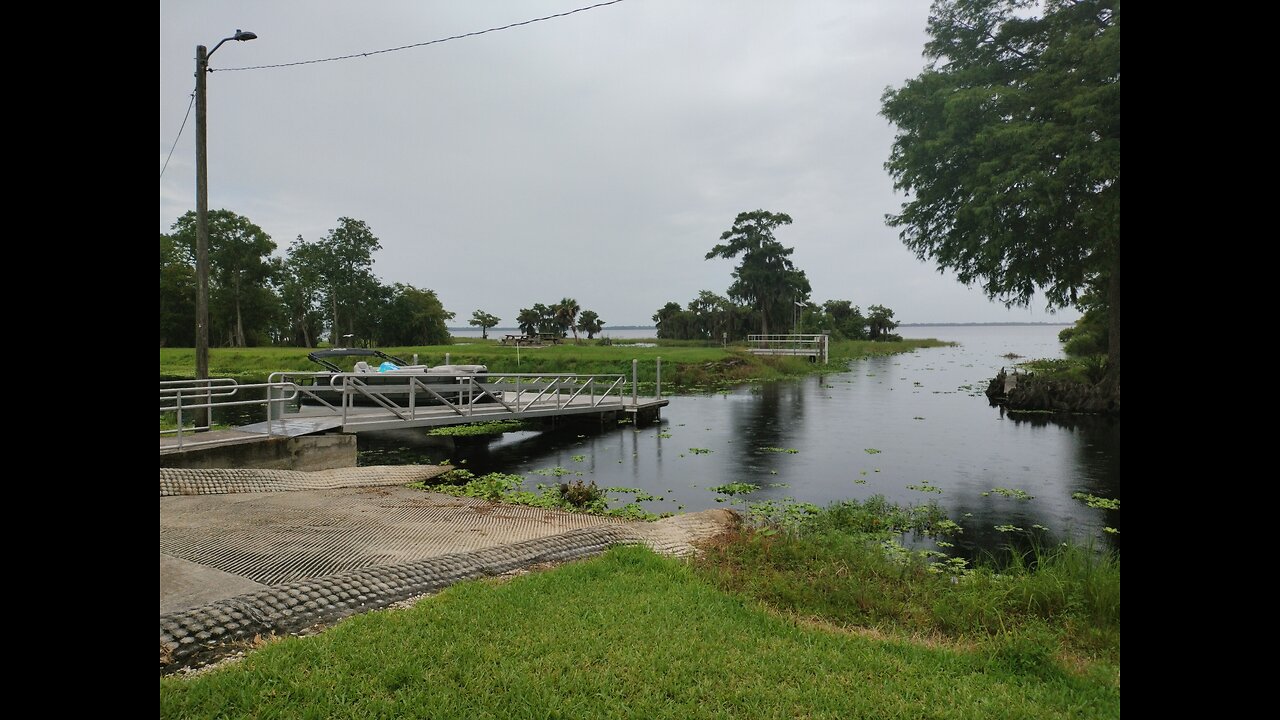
x=894, y=426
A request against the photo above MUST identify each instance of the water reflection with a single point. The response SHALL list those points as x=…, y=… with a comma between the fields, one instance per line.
x=915, y=428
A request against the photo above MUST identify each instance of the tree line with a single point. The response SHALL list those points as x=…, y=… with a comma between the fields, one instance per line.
x=560, y=318
x=318, y=287
x=768, y=291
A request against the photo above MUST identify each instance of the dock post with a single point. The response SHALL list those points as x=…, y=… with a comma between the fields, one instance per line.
x=446, y=359
x=346, y=401
x=635, y=385
x=658, y=392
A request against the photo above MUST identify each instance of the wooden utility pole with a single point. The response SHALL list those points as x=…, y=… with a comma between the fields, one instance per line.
x=202, y=229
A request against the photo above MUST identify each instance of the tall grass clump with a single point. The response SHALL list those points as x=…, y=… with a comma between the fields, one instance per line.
x=846, y=564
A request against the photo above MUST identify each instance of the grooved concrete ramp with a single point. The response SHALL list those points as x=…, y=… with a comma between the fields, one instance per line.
x=237, y=563
x=277, y=537
x=210, y=481
x=187, y=584
x=211, y=631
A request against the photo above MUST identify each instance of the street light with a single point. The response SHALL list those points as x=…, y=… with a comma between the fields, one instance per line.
x=202, y=214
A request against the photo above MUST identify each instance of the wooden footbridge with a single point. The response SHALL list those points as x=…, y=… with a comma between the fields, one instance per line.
x=300, y=404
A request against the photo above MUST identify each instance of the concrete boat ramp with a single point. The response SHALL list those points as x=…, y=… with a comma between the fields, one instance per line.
x=247, y=553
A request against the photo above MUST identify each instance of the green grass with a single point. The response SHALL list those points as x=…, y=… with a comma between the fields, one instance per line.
x=635, y=635
x=843, y=564
x=684, y=366
x=1088, y=369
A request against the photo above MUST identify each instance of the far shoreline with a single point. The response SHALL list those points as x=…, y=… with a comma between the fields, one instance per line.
x=910, y=324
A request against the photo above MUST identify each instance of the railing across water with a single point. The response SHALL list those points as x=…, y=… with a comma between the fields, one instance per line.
x=408, y=397
x=813, y=346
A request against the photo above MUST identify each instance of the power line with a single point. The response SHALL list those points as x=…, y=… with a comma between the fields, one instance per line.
x=417, y=45
x=175, y=140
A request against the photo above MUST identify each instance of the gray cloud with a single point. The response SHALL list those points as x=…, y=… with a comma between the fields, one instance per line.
x=597, y=156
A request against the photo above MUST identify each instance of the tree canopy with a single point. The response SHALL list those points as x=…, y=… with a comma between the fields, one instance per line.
x=343, y=264
x=559, y=317
x=566, y=315
x=1008, y=146
x=765, y=278
x=412, y=317
x=590, y=323
x=527, y=320
x=241, y=304
x=880, y=323
x=256, y=298
x=484, y=321
x=843, y=319
x=177, y=295
x=299, y=287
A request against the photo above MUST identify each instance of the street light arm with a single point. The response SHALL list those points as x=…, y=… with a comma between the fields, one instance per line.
x=215, y=47
x=241, y=36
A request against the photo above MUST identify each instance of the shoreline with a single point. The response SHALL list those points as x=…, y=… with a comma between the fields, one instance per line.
x=684, y=365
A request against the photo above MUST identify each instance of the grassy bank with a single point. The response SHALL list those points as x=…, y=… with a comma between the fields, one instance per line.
x=683, y=366
x=815, y=614
x=1087, y=370
x=630, y=634
x=845, y=565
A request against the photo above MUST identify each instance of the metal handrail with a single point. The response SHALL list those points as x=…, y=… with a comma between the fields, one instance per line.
x=467, y=390
x=199, y=390
x=360, y=387
x=225, y=387
x=230, y=403
x=813, y=344
x=193, y=382
x=514, y=393
x=801, y=338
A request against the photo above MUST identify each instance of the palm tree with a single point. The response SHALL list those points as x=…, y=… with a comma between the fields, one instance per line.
x=527, y=320
x=590, y=323
x=567, y=315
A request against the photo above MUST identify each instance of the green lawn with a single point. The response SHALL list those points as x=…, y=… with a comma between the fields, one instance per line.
x=630, y=634
x=683, y=366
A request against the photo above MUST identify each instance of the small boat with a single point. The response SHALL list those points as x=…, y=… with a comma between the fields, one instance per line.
x=390, y=377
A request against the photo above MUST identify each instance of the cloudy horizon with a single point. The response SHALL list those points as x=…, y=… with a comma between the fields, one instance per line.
x=597, y=156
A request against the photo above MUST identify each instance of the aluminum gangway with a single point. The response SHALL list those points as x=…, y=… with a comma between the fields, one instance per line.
x=305, y=403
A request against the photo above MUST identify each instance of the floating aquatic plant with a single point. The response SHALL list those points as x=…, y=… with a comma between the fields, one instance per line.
x=1094, y=501
x=734, y=488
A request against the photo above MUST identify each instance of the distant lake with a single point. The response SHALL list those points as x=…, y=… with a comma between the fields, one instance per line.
x=913, y=427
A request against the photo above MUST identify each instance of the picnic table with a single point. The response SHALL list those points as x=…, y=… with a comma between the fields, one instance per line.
x=526, y=340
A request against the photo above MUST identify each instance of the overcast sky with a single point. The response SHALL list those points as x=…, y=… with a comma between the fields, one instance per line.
x=597, y=156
